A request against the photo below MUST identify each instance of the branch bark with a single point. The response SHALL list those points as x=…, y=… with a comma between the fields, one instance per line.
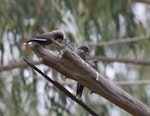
x=72, y=66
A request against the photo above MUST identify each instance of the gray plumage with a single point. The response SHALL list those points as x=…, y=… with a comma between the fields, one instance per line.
x=82, y=52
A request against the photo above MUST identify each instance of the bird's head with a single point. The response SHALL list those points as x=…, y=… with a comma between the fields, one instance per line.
x=57, y=34
x=84, y=48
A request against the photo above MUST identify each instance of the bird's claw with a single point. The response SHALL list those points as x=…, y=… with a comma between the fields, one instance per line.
x=62, y=51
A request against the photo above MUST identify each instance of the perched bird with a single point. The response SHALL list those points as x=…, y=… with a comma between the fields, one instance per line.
x=82, y=52
x=55, y=37
x=47, y=38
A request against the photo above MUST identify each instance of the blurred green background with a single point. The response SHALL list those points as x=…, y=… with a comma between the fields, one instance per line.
x=23, y=92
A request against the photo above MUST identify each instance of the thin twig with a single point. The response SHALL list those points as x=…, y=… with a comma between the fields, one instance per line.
x=136, y=82
x=17, y=65
x=64, y=90
x=122, y=83
x=117, y=41
x=143, y=1
x=110, y=60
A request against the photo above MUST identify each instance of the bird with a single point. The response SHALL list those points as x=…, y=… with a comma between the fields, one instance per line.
x=47, y=38
x=82, y=52
x=52, y=38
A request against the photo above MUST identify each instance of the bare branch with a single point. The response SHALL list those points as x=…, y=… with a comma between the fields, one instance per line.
x=72, y=66
x=137, y=82
x=117, y=41
x=143, y=1
x=121, y=83
x=64, y=90
x=110, y=60
x=17, y=65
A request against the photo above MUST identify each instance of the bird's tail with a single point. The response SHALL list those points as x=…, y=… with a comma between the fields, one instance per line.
x=80, y=88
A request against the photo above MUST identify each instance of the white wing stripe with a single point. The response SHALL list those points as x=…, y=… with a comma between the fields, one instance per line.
x=38, y=39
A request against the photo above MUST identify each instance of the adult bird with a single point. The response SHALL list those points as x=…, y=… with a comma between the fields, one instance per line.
x=47, y=38
x=82, y=52
x=52, y=38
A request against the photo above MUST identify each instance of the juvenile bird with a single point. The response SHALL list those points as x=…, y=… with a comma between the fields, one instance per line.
x=82, y=52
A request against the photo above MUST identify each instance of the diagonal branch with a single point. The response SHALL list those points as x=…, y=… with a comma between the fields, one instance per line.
x=64, y=90
x=72, y=66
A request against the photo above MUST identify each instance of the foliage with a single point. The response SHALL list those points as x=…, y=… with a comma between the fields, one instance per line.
x=24, y=92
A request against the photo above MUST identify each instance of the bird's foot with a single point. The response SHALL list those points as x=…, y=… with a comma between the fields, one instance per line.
x=62, y=51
